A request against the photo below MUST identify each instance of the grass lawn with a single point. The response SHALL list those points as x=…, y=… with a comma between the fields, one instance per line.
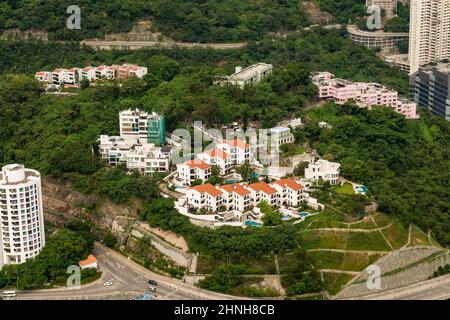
x=372, y=241
x=262, y=265
x=346, y=188
x=334, y=282
x=310, y=239
x=365, y=224
x=327, y=259
x=327, y=219
x=418, y=237
x=382, y=220
x=251, y=288
x=396, y=234
x=358, y=261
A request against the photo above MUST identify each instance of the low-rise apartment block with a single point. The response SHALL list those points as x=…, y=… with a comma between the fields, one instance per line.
x=136, y=153
x=239, y=150
x=217, y=157
x=365, y=94
x=243, y=197
x=191, y=170
x=323, y=170
x=248, y=76
x=73, y=76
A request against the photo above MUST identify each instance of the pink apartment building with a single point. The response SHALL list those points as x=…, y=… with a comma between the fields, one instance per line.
x=367, y=94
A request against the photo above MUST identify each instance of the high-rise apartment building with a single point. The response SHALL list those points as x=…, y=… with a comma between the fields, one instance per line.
x=21, y=214
x=389, y=6
x=430, y=87
x=429, y=34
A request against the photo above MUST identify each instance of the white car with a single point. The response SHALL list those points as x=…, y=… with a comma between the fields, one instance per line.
x=108, y=284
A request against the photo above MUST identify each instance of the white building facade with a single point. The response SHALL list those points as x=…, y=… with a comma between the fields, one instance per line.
x=324, y=170
x=429, y=32
x=21, y=214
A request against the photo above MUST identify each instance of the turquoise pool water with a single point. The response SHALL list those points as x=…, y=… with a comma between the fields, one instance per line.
x=361, y=189
x=231, y=181
x=285, y=217
x=304, y=214
x=252, y=223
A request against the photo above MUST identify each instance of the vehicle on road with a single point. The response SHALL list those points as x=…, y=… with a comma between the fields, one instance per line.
x=152, y=282
x=151, y=289
x=108, y=283
x=9, y=294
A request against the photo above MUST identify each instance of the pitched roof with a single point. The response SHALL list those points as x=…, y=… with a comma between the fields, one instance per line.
x=207, y=188
x=218, y=153
x=90, y=260
x=42, y=73
x=237, y=188
x=200, y=164
x=263, y=187
x=290, y=183
x=237, y=143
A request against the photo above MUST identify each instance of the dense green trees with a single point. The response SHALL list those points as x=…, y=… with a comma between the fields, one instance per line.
x=405, y=164
x=188, y=20
x=62, y=249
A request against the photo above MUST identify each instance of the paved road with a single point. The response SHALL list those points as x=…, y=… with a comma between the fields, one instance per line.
x=134, y=45
x=129, y=280
x=434, y=289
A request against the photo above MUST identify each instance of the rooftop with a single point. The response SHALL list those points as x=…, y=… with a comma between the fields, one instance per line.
x=290, y=183
x=250, y=71
x=236, y=188
x=263, y=187
x=207, y=188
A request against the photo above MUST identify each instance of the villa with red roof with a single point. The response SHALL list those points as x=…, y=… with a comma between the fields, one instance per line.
x=238, y=149
x=90, y=262
x=243, y=197
x=217, y=157
x=191, y=170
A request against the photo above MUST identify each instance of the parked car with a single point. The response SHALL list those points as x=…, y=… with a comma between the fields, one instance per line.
x=151, y=289
x=108, y=284
x=153, y=282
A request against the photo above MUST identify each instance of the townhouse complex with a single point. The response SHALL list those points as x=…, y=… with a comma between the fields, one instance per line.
x=248, y=76
x=430, y=87
x=243, y=197
x=365, y=94
x=225, y=155
x=72, y=77
x=141, y=144
x=22, y=233
x=429, y=32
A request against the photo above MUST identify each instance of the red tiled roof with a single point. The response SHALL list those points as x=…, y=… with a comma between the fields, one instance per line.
x=207, y=188
x=237, y=143
x=290, y=183
x=90, y=260
x=237, y=188
x=41, y=73
x=263, y=187
x=218, y=153
x=197, y=164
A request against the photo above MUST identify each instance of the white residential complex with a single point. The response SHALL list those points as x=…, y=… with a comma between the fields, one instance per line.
x=60, y=77
x=243, y=197
x=225, y=155
x=249, y=75
x=323, y=170
x=141, y=144
x=429, y=34
x=389, y=6
x=136, y=153
x=21, y=214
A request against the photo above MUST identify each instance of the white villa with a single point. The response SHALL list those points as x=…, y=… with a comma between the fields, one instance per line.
x=323, y=169
x=191, y=170
x=135, y=152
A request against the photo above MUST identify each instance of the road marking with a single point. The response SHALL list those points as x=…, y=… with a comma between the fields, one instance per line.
x=170, y=293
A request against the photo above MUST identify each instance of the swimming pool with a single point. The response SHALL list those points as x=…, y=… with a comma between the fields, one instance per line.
x=231, y=181
x=304, y=214
x=362, y=189
x=252, y=223
x=285, y=218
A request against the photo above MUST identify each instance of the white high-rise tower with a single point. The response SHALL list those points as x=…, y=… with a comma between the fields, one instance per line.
x=21, y=214
x=429, y=34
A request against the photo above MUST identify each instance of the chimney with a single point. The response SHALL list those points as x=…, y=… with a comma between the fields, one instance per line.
x=238, y=69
